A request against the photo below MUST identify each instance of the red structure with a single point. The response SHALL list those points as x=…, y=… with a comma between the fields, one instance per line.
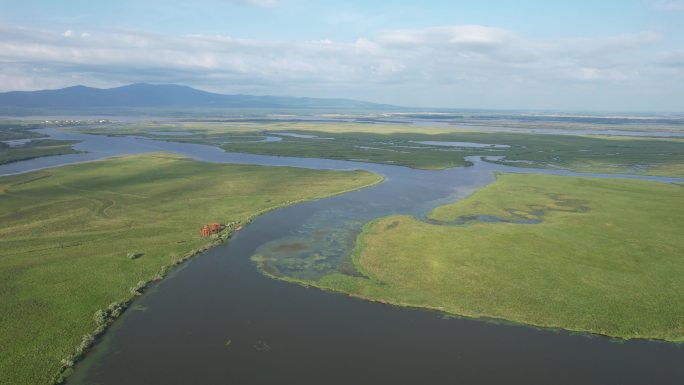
x=212, y=228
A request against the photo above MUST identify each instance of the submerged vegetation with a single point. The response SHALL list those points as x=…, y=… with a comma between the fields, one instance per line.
x=400, y=145
x=592, y=255
x=68, y=236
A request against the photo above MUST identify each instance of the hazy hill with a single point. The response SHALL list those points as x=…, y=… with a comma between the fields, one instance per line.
x=165, y=95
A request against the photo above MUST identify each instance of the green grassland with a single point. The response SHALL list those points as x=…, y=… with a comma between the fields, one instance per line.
x=396, y=144
x=66, y=235
x=35, y=149
x=606, y=257
x=37, y=146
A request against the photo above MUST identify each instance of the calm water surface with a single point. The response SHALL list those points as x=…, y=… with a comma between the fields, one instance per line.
x=217, y=320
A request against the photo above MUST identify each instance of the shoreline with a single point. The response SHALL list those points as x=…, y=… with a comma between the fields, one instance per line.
x=106, y=317
x=446, y=314
x=355, y=254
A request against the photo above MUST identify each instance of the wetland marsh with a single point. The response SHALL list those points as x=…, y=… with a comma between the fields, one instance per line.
x=218, y=318
x=341, y=192
x=424, y=147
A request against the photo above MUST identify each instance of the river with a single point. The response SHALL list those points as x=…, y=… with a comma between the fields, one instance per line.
x=217, y=320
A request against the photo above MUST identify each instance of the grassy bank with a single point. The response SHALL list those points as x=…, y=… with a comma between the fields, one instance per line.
x=82, y=239
x=19, y=141
x=606, y=257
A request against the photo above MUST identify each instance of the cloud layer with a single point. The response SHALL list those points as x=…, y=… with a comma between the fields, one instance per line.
x=671, y=5
x=446, y=66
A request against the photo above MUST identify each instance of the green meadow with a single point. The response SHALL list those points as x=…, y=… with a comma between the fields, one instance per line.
x=600, y=256
x=75, y=239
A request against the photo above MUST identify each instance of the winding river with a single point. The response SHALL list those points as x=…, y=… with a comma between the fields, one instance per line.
x=217, y=320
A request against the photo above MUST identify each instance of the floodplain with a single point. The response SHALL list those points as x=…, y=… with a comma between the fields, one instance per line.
x=400, y=144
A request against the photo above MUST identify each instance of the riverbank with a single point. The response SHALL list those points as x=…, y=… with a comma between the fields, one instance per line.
x=603, y=260
x=66, y=233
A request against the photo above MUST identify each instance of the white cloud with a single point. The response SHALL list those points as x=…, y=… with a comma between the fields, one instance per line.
x=262, y=3
x=68, y=33
x=459, y=35
x=440, y=66
x=671, y=5
x=673, y=59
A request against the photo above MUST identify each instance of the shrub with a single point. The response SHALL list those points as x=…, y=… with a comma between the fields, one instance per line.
x=101, y=317
x=134, y=255
x=137, y=289
x=85, y=343
x=115, y=310
x=67, y=362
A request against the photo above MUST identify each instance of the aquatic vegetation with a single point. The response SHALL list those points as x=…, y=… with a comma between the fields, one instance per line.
x=261, y=346
x=313, y=257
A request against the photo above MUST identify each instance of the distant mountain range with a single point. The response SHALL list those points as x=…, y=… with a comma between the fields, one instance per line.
x=166, y=95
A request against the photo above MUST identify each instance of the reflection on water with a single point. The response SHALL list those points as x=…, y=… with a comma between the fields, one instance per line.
x=461, y=144
x=293, y=135
x=253, y=139
x=170, y=133
x=16, y=142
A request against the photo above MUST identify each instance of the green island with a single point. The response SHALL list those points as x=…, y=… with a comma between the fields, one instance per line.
x=78, y=242
x=18, y=142
x=400, y=145
x=600, y=256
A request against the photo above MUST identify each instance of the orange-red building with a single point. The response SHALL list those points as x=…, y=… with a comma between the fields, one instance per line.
x=212, y=228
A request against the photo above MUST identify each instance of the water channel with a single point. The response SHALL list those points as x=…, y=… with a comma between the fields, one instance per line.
x=217, y=320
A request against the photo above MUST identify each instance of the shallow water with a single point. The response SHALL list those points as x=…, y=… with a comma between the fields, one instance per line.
x=256, y=139
x=462, y=144
x=217, y=320
x=293, y=135
x=17, y=142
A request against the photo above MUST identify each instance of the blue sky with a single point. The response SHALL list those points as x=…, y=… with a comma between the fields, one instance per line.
x=573, y=55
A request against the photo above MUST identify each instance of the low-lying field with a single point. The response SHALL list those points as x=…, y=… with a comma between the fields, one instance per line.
x=67, y=236
x=36, y=149
x=606, y=257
